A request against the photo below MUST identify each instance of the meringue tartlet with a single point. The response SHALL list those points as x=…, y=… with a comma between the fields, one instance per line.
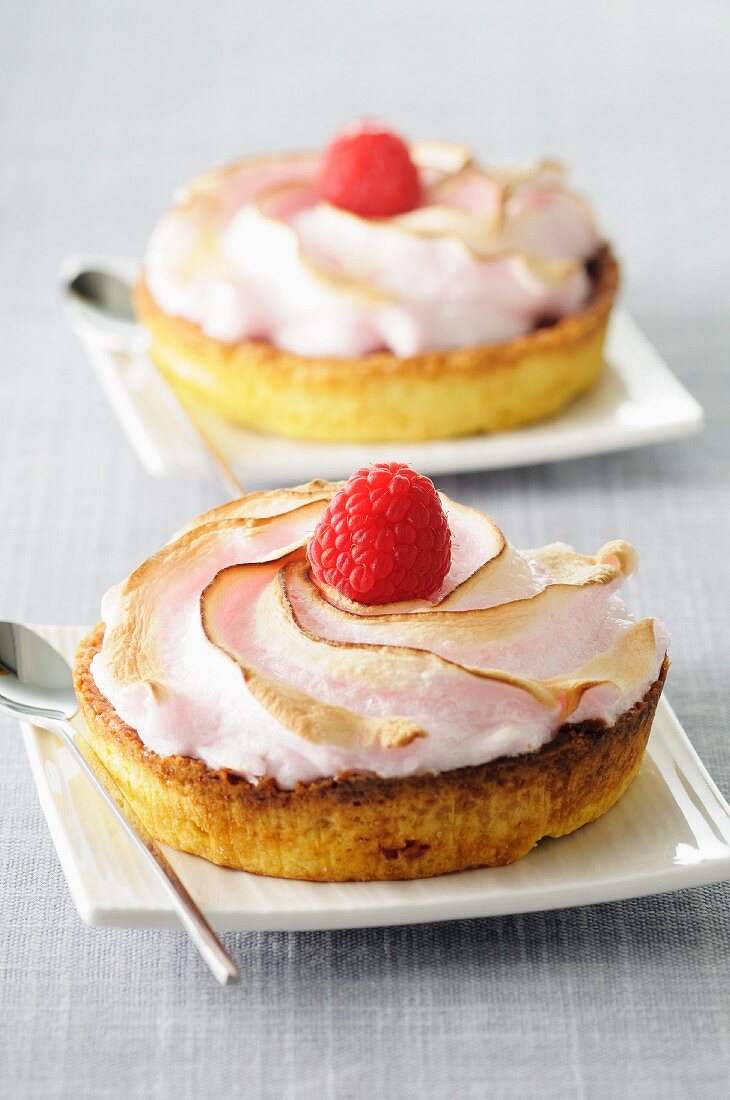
x=267, y=722
x=482, y=307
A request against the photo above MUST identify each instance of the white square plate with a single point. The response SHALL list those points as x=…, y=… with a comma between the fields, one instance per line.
x=670, y=830
x=639, y=401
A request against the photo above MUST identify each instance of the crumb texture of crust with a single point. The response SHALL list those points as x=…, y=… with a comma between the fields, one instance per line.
x=362, y=827
x=379, y=397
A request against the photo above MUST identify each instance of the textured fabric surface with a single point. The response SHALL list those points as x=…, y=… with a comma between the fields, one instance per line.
x=103, y=109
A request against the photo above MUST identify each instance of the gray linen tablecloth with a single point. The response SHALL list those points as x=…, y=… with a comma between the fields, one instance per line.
x=103, y=109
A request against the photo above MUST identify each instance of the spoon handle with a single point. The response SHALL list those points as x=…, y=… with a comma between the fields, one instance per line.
x=197, y=927
x=216, y=459
x=128, y=342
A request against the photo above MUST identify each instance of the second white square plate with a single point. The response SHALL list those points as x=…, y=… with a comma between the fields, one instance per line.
x=638, y=401
x=670, y=830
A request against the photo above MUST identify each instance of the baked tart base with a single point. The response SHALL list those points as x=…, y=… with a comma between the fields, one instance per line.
x=362, y=827
x=379, y=397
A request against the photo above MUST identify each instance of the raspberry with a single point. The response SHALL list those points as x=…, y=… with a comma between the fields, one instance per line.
x=383, y=537
x=369, y=171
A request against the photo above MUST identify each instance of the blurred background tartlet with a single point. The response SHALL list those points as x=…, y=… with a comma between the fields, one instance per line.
x=378, y=292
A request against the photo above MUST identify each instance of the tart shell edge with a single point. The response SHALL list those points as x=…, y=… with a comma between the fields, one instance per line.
x=361, y=828
x=380, y=397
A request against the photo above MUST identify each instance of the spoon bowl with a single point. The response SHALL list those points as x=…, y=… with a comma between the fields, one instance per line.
x=98, y=300
x=106, y=290
x=35, y=680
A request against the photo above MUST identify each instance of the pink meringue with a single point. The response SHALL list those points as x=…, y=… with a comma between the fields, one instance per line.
x=222, y=648
x=251, y=252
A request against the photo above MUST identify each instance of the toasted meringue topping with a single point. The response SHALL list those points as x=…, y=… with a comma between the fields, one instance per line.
x=222, y=647
x=251, y=252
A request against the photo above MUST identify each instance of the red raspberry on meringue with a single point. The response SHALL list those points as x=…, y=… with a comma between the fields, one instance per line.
x=383, y=538
x=368, y=170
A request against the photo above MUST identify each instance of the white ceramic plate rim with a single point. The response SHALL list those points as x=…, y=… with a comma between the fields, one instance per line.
x=329, y=906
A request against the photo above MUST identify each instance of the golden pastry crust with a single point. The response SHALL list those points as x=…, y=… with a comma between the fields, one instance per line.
x=363, y=827
x=381, y=397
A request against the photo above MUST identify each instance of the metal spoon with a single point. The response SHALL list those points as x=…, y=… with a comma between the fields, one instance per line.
x=36, y=685
x=98, y=300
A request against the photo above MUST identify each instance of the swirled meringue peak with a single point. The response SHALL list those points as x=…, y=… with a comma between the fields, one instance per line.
x=253, y=252
x=222, y=647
